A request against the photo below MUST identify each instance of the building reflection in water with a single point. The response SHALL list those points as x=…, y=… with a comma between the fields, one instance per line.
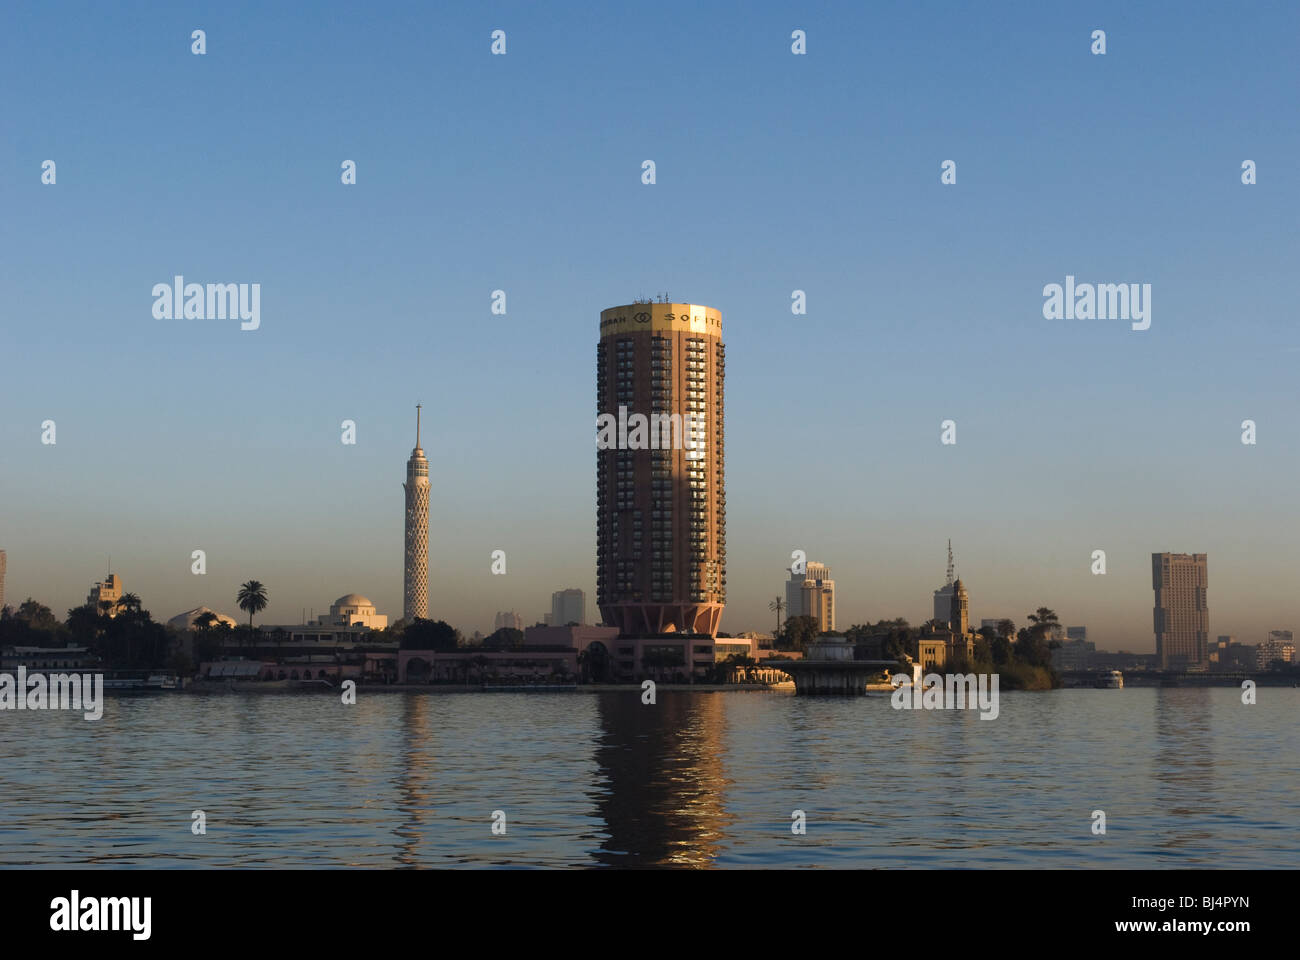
x=1184, y=764
x=660, y=788
x=414, y=781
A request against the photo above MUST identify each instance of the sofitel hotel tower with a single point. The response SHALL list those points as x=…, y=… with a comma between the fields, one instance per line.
x=661, y=514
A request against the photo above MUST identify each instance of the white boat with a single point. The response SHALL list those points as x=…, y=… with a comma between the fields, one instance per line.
x=1111, y=680
x=160, y=681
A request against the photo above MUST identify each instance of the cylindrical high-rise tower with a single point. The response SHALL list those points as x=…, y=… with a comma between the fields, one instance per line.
x=415, y=580
x=661, y=507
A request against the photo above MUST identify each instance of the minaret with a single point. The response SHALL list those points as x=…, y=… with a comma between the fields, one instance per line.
x=959, y=618
x=415, y=578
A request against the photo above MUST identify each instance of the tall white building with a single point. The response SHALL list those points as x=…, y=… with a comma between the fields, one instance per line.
x=508, y=620
x=415, y=571
x=812, y=594
x=568, y=606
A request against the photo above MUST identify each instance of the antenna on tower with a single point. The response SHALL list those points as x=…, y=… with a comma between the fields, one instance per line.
x=950, y=561
x=417, y=423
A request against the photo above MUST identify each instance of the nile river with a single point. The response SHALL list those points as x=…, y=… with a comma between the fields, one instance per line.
x=1186, y=777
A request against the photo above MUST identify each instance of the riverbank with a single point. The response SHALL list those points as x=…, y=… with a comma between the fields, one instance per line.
x=201, y=686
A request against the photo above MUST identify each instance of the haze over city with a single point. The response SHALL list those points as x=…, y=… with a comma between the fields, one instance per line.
x=924, y=301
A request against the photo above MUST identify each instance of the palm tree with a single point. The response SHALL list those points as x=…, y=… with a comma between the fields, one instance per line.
x=129, y=602
x=1044, y=621
x=778, y=605
x=252, y=597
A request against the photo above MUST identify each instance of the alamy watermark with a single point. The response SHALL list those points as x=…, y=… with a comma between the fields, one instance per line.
x=76, y=913
x=1102, y=301
x=214, y=301
x=952, y=691
x=53, y=691
x=658, y=431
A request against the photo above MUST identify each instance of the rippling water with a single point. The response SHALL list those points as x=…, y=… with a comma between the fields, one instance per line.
x=1185, y=776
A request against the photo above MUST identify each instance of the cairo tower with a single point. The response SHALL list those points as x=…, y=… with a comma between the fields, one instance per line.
x=415, y=579
x=661, y=514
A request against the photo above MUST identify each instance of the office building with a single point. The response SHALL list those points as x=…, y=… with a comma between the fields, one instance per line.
x=1181, y=613
x=1280, y=646
x=508, y=620
x=568, y=606
x=812, y=594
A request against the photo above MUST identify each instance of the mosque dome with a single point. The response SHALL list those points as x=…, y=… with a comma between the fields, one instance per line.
x=353, y=600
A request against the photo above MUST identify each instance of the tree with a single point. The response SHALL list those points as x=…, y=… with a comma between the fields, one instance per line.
x=1043, y=621
x=37, y=615
x=1032, y=647
x=83, y=624
x=1006, y=629
x=206, y=621
x=778, y=605
x=507, y=638
x=252, y=597
x=130, y=602
x=799, y=631
x=422, y=634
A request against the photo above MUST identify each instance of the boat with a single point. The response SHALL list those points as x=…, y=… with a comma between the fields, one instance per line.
x=1110, y=680
x=159, y=681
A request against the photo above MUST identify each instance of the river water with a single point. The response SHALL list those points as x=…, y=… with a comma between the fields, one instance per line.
x=1185, y=777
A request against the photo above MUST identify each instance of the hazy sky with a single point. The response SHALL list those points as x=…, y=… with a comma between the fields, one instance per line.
x=775, y=172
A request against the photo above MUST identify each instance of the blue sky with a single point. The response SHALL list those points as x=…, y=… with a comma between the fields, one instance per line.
x=775, y=172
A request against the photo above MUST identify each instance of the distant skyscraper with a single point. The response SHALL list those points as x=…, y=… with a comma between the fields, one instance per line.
x=794, y=595
x=2, y=579
x=661, y=555
x=509, y=620
x=568, y=606
x=1181, y=614
x=943, y=596
x=415, y=578
x=812, y=594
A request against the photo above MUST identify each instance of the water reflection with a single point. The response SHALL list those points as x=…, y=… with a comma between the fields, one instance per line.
x=661, y=788
x=1186, y=776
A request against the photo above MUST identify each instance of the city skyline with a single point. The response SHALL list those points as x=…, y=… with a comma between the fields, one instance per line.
x=924, y=302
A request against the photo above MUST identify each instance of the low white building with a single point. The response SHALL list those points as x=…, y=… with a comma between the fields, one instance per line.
x=352, y=610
